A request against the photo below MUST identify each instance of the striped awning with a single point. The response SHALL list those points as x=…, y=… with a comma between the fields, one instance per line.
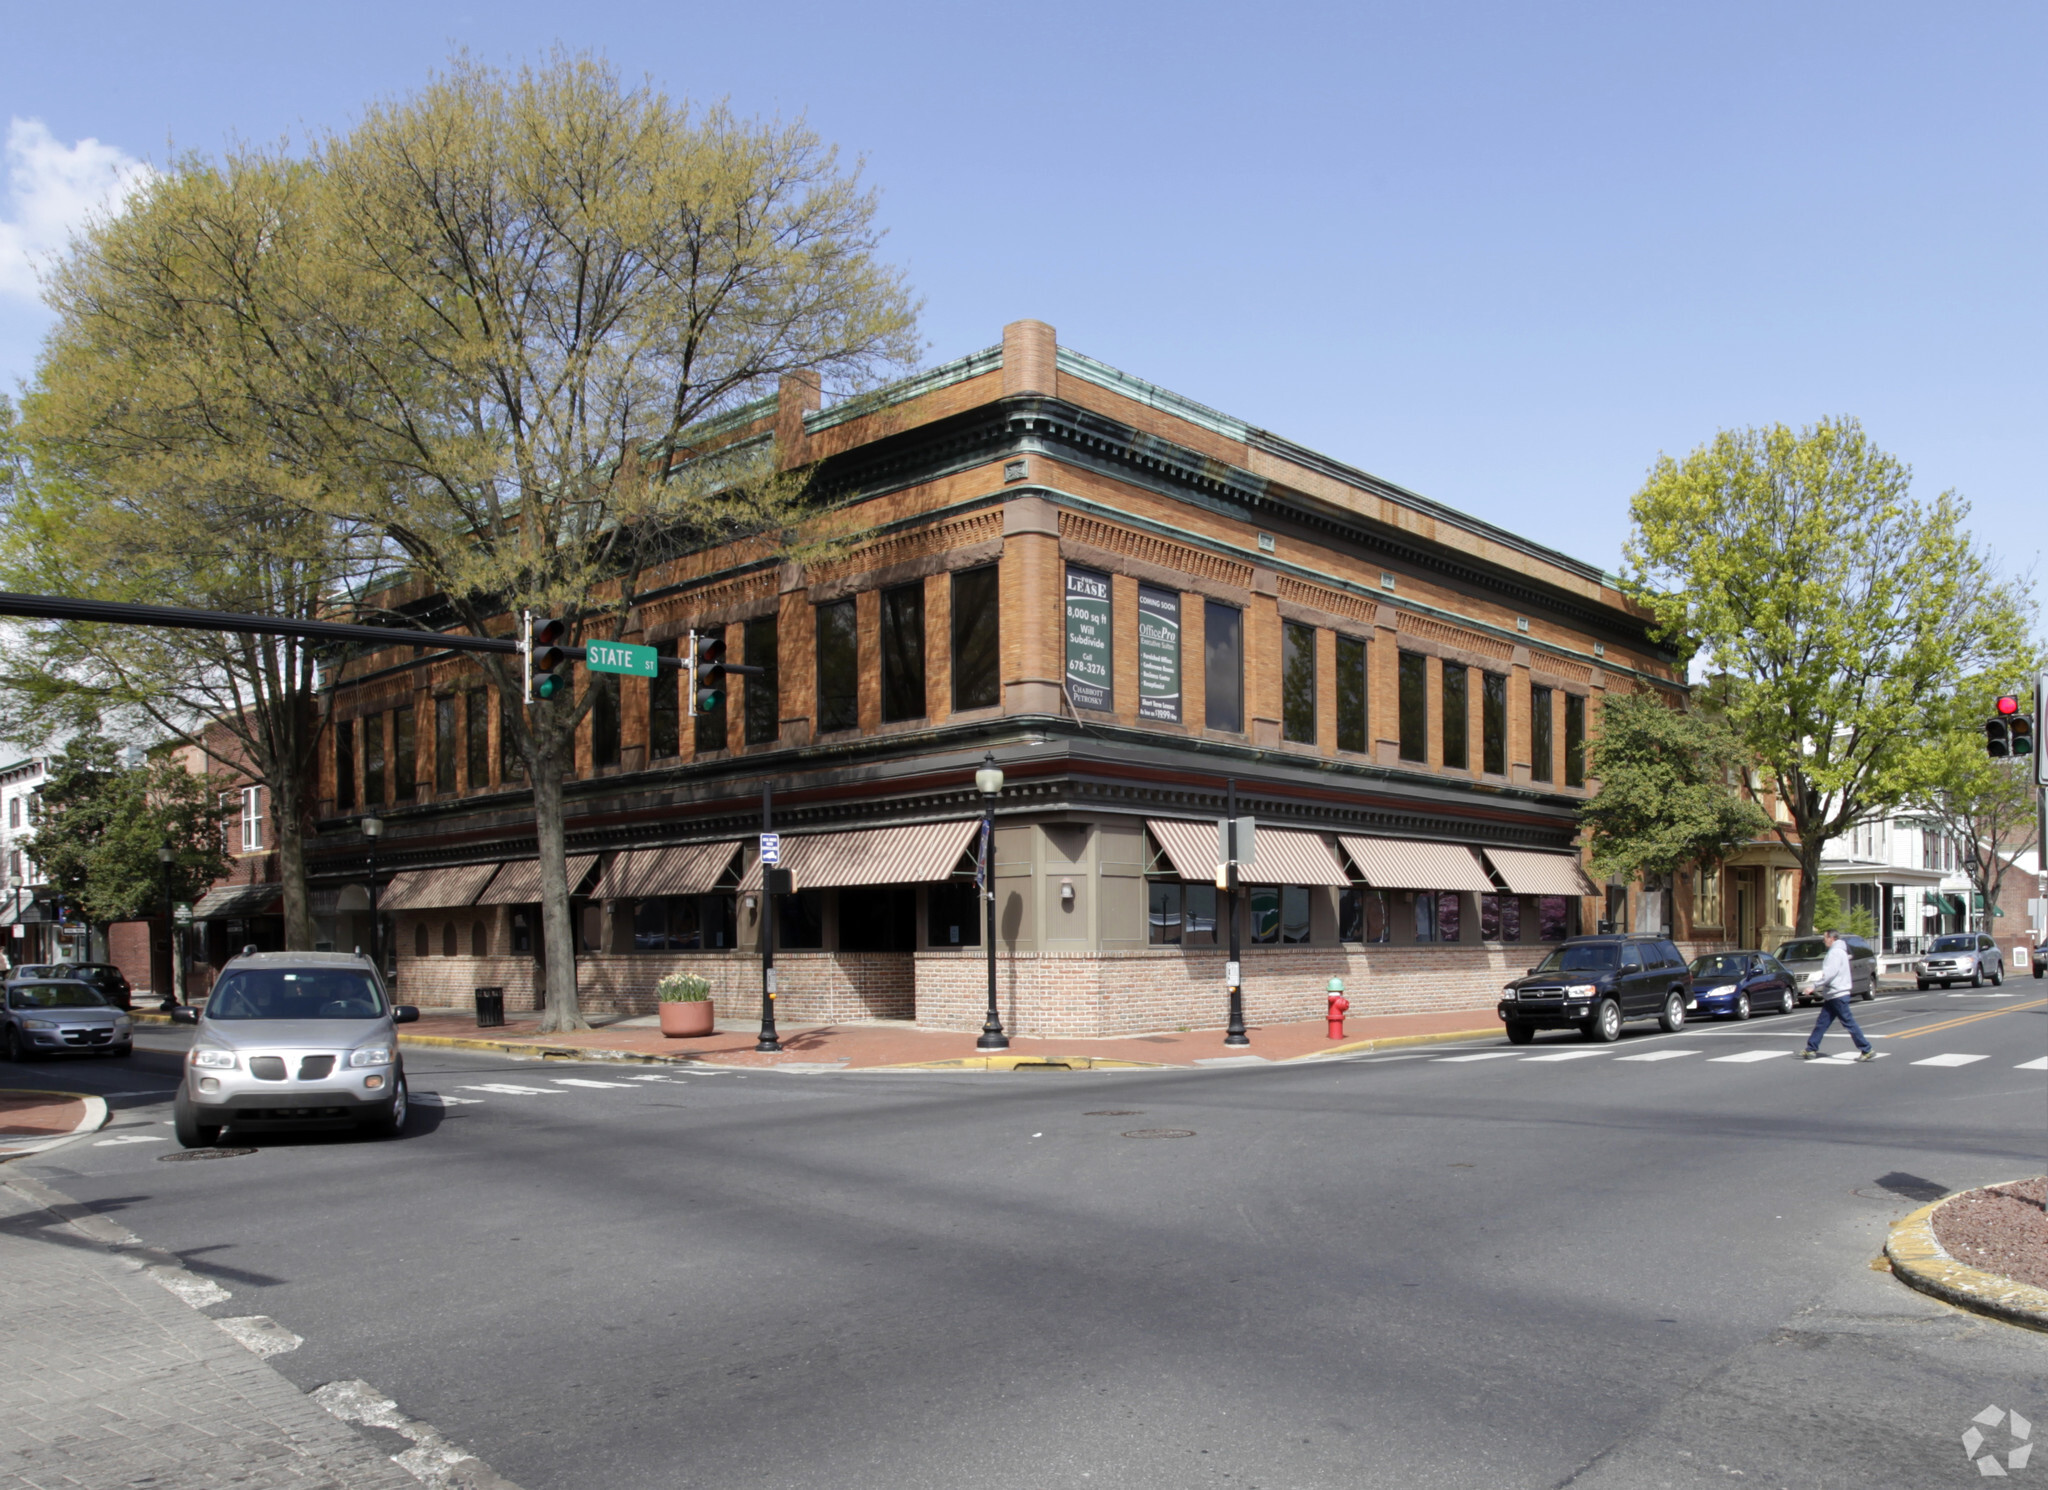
x=231, y=902
x=644, y=874
x=518, y=883
x=913, y=855
x=1526, y=872
x=1280, y=856
x=1411, y=864
x=435, y=889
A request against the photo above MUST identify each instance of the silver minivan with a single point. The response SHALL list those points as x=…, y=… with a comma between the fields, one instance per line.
x=1961, y=956
x=293, y=1040
x=1802, y=957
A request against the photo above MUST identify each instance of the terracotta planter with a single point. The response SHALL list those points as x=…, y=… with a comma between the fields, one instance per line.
x=680, y=1019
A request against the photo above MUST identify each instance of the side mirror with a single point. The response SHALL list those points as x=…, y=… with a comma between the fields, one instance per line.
x=184, y=1014
x=404, y=1014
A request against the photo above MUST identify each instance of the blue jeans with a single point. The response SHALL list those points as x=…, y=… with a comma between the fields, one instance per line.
x=1831, y=1010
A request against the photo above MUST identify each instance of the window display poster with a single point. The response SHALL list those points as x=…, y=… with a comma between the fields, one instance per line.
x=1158, y=654
x=1088, y=639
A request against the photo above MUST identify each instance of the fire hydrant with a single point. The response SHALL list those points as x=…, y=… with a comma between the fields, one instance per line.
x=1338, y=1004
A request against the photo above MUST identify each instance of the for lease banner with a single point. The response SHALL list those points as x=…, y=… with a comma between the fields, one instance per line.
x=1158, y=654
x=1088, y=639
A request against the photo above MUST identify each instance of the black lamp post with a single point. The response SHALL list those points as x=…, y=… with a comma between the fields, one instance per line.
x=373, y=829
x=989, y=782
x=167, y=856
x=1233, y=970
x=770, y=1042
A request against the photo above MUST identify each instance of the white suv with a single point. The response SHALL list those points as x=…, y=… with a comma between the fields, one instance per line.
x=1960, y=956
x=293, y=1039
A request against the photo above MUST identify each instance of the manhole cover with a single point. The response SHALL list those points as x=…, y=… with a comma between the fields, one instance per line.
x=1114, y=1112
x=1161, y=1133
x=202, y=1154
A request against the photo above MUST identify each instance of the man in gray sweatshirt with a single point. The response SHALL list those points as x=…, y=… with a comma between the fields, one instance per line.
x=1836, y=985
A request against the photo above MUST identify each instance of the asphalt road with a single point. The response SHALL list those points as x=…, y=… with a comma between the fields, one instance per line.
x=1627, y=1266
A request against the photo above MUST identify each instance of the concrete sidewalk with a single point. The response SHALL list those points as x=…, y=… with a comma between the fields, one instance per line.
x=901, y=1045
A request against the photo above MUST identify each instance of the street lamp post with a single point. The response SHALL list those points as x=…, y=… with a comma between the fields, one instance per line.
x=14, y=884
x=166, y=856
x=1233, y=970
x=989, y=782
x=373, y=829
x=770, y=1042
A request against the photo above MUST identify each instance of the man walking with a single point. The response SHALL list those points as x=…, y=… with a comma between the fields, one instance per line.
x=1836, y=985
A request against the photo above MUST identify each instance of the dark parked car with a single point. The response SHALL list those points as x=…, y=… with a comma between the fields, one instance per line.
x=1734, y=985
x=1802, y=958
x=1594, y=983
x=104, y=976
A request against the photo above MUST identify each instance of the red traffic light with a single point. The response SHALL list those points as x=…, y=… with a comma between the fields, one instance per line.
x=2007, y=704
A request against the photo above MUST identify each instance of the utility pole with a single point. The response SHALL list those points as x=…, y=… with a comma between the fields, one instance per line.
x=769, y=874
x=1233, y=973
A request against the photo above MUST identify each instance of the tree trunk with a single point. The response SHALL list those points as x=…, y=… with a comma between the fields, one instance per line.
x=291, y=861
x=1810, y=846
x=558, y=933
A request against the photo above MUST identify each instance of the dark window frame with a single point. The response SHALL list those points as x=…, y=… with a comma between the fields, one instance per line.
x=905, y=677
x=977, y=641
x=1354, y=693
x=345, y=794
x=1493, y=718
x=839, y=698
x=1456, y=709
x=1542, y=734
x=1412, y=678
x=1226, y=665
x=445, y=763
x=1298, y=682
x=476, y=719
x=1575, y=739
x=763, y=695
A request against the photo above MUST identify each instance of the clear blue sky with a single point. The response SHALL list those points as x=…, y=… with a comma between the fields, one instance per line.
x=1503, y=254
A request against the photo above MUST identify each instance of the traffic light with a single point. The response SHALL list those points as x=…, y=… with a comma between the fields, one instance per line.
x=707, y=672
x=547, y=662
x=1997, y=737
x=2021, y=730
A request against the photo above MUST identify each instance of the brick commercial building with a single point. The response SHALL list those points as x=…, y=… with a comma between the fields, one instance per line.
x=1138, y=605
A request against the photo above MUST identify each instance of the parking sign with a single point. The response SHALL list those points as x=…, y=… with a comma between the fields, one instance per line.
x=771, y=848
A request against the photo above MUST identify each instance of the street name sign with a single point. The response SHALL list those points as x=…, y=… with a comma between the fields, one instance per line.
x=629, y=658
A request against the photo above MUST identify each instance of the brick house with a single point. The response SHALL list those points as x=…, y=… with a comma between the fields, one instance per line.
x=1139, y=605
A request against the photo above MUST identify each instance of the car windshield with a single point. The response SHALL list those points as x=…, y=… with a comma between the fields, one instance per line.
x=1954, y=944
x=1730, y=964
x=301, y=993
x=1579, y=960
x=54, y=996
x=1812, y=951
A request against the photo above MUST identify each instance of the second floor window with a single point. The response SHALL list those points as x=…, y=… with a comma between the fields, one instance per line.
x=1414, y=707
x=977, y=651
x=14, y=812
x=664, y=694
x=406, y=748
x=1493, y=718
x=604, y=720
x=764, y=695
x=476, y=711
x=1298, y=682
x=903, y=653
x=345, y=766
x=1574, y=739
x=252, y=818
x=444, y=743
x=1541, y=765
x=838, y=666
x=1457, y=716
x=1353, y=689
x=373, y=760
x=1223, y=666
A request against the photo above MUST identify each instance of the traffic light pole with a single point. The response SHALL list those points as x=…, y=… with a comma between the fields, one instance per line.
x=1233, y=970
x=768, y=1042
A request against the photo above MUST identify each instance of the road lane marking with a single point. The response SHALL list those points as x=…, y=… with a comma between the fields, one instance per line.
x=1657, y=1055
x=1745, y=1056
x=1963, y=1019
x=1952, y=1060
x=506, y=1089
x=435, y=1099
x=579, y=1081
x=107, y=1143
x=2040, y=1065
x=1564, y=1055
x=1844, y=1058
x=1484, y=1055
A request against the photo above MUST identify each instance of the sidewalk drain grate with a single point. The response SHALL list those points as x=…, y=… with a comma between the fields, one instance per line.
x=1161, y=1133
x=1115, y=1112
x=202, y=1154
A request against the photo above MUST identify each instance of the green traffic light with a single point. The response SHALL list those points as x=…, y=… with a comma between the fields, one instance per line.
x=548, y=685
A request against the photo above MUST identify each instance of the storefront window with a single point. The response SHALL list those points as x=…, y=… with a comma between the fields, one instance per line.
x=1199, y=915
x=954, y=912
x=1163, y=913
x=1449, y=908
x=1500, y=918
x=1425, y=915
x=1362, y=915
x=1555, y=917
x=800, y=921
x=1264, y=903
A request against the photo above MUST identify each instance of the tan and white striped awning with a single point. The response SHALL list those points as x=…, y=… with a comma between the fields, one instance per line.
x=1280, y=856
x=435, y=889
x=518, y=883
x=916, y=854
x=1527, y=872
x=1411, y=864
x=644, y=874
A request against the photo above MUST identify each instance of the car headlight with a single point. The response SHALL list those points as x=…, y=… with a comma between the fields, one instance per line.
x=39, y=1024
x=370, y=1055
x=1582, y=990
x=214, y=1060
x=123, y=1025
x=1508, y=993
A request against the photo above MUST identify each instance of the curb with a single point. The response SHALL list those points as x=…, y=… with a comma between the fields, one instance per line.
x=1920, y=1262
x=1392, y=1042
x=94, y=1119
x=549, y=1052
x=1027, y=1063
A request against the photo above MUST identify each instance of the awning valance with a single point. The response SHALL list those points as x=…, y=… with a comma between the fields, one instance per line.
x=1281, y=856
x=1526, y=872
x=1411, y=864
x=231, y=902
x=518, y=883
x=643, y=874
x=912, y=855
x=435, y=889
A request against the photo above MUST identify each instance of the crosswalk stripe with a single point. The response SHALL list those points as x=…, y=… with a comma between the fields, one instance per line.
x=1657, y=1055
x=579, y=1081
x=1844, y=1058
x=435, y=1099
x=2040, y=1065
x=506, y=1089
x=1564, y=1055
x=1484, y=1055
x=1745, y=1056
x=1951, y=1060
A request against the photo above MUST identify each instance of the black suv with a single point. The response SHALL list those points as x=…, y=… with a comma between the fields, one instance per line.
x=1593, y=983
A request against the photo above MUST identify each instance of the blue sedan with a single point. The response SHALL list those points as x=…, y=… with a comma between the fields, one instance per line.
x=1734, y=985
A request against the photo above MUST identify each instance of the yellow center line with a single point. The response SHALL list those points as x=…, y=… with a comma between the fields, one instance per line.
x=1949, y=1024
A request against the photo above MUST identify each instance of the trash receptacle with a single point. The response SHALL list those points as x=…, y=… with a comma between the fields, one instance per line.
x=490, y=1008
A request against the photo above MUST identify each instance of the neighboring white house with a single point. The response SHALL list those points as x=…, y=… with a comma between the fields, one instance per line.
x=1908, y=875
x=27, y=924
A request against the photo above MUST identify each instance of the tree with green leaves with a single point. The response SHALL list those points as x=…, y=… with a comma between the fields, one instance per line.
x=101, y=825
x=1842, y=612
x=1665, y=798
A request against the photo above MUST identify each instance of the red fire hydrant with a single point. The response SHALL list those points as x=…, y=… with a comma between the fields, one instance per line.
x=1338, y=1004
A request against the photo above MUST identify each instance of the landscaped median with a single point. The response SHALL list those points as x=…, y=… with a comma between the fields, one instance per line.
x=32, y=1121
x=1984, y=1250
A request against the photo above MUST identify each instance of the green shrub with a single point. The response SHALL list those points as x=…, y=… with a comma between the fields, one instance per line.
x=683, y=988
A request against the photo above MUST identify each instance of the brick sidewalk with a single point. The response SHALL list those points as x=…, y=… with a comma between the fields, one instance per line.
x=878, y=1045
x=39, y=1114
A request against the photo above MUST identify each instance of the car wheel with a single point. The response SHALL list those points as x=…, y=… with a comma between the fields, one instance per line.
x=192, y=1133
x=1742, y=1006
x=16, y=1050
x=1998, y=976
x=1605, y=1025
x=1977, y=976
x=390, y=1119
x=1786, y=1002
x=1672, y=1020
x=1923, y=984
x=1521, y=1034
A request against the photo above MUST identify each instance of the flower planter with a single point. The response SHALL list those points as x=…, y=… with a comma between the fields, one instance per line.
x=683, y=1018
